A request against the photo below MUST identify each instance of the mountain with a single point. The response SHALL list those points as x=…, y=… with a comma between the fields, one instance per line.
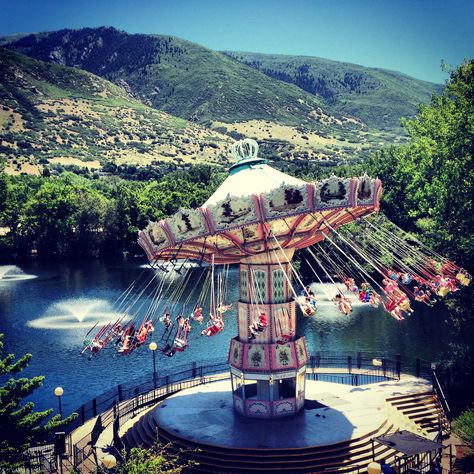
x=298, y=108
x=51, y=113
x=377, y=97
x=179, y=77
x=196, y=83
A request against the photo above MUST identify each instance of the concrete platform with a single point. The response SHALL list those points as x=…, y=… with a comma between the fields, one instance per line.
x=205, y=415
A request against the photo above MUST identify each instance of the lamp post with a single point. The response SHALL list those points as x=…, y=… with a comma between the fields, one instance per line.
x=108, y=461
x=374, y=468
x=58, y=391
x=153, y=348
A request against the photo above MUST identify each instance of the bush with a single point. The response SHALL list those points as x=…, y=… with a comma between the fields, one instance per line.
x=463, y=426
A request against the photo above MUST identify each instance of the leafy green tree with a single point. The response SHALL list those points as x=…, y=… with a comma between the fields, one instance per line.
x=430, y=180
x=429, y=190
x=20, y=425
x=48, y=217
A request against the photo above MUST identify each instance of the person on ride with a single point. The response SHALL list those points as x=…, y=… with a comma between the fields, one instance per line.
x=350, y=285
x=406, y=278
x=197, y=315
x=463, y=277
x=404, y=305
x=343, y=304
x=186, y=327
x=262, y=319
x=393, y=275
x=436, y=281
x=95, y=346
x=149, y=326
x=167, y=320
x=389, y=285
x=146, y=330
x=117, y=331
x=310, y=299
x=392, y=308
x=222, y=308
x=180, y=321
x=253, y=329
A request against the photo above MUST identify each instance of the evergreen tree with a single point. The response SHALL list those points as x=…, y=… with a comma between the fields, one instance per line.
x=20, y=425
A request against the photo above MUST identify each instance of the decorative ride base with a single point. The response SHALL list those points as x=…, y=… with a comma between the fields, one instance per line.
x=268, y=380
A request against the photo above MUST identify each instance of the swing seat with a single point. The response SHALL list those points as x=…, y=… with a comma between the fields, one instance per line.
x=442, y=291
x=404, y=305
x=463, y=279
x=212, y=330
x=180, y=344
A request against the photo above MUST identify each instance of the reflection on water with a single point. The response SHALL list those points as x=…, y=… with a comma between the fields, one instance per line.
x=48, y=317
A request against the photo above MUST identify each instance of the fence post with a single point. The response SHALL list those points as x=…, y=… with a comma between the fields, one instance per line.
x=167, y=381
x=359, y=360
x=318, y=359
x=120, y=392
x=399, y=365
x=94, y=407
x=418, y=367
x=384, y=367
x=194, y=370
x=83, y=414
x=349, y=364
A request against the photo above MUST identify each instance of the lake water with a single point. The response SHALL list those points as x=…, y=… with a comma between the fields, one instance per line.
x=46, y=309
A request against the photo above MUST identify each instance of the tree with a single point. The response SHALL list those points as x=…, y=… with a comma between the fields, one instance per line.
x=429, y=186
x=20, y=425
x=430, y=180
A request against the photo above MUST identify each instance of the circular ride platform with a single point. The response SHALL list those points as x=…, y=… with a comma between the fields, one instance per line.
x=333, y=431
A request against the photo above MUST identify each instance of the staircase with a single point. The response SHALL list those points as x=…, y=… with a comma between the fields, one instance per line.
x=346, y=456
x=421, y=413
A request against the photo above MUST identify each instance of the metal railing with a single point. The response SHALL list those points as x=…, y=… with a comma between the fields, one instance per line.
x=126, y=400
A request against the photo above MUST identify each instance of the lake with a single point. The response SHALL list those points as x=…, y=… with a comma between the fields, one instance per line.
x=46, y=308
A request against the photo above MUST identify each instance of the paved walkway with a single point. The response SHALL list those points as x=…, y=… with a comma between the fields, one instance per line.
x=205, y=414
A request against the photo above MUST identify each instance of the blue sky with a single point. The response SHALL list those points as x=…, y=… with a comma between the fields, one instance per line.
x=411, y=36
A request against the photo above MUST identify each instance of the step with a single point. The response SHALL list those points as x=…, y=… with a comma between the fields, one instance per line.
x=263, y=459
x=277, y=453
x=381, y=452
x=409, y=395
x=413, y=402
x=290, y=451
x=420, y=407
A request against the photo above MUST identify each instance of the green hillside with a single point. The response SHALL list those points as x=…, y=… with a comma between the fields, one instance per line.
x=179, y=77
x=378, y=97
x=55, y=114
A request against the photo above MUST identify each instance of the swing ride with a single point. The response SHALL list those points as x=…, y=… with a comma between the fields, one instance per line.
x=257, y=219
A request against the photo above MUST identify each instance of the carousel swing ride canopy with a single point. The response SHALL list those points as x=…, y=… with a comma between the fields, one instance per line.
x=258, y=209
